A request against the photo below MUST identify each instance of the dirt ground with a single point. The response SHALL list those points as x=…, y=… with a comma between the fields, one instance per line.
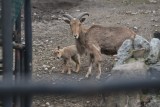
x=49, y=31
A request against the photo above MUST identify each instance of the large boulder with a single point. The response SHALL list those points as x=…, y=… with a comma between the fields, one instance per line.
x=124, y=52
x=130, y=71
x=134, y=70
x=154, y=53
x=154, y=71
x=138, y=48
x=153, y=103
x=140, y=42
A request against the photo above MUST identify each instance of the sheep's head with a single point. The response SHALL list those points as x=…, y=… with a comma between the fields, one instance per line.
x=75, y=23
x=57, y=52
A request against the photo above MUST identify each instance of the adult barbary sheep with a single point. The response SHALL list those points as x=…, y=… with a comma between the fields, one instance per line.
x=68, y=53
x=97, y=39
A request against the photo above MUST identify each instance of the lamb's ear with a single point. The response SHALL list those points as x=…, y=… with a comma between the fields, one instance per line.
x=82, y=20
x=58, y=47
x=66, y=20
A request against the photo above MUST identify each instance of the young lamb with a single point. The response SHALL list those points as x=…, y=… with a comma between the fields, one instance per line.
x=97, y=39
x=67, y=54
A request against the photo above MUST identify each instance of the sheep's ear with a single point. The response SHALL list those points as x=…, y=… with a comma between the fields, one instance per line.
x=67, y=20
x=58, y=47
x=82, y=20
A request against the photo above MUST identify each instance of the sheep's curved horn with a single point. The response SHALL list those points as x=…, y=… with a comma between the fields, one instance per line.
x=82, y=14
x=68, y=16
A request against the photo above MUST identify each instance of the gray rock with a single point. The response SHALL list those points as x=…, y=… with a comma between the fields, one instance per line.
x=153, y=56
x=130, y=71
x=134, y=70
x=154, y=71
x=153, y=103
x=122, y=99
x=140, y=42
x=139, y=53
x=124, y=52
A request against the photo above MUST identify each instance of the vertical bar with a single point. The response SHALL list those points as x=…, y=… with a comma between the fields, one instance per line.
x=7, y=48
x=17, y=58
x=28, y=39
x=22, y=76
x=7, y=41
x=17, y=51
x=22, y=71
x=28, y=47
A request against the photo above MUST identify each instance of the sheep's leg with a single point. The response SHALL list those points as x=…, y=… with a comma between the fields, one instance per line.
x=89, y=70
x=97, y=59
x=78, y=63
x=99, y=69
x=90, y=66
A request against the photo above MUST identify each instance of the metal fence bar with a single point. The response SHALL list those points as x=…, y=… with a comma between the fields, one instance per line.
x=28, y=48
x=7, y=40
x=7, y=48
x=22, y=76
x=28, y=39
x=7, y=101
x=17, y=59
x=81, y=88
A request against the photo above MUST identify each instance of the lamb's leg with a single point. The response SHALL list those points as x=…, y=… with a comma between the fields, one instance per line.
x=76, y=59
x=64, y=66
x=77, y=67
x=99, y=69
x=68, y=67
x=69, y=70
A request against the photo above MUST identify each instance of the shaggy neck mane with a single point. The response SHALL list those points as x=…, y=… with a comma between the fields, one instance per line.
x=81, y=42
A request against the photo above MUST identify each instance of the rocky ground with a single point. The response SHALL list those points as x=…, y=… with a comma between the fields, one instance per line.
x=49, y=31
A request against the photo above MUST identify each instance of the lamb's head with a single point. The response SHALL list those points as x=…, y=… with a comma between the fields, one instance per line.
x=57, y=52
x=75, y=23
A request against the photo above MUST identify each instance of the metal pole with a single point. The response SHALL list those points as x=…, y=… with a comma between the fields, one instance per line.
x=22, y=75
x=7, y=47
x=28, y=39
x=28, y=47
x=17, y=58
x=82, y=88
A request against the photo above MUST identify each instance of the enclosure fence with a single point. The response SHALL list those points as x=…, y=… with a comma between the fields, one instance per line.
x=16, y=86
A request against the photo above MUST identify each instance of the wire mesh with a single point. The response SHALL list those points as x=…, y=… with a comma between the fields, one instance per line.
x=16, y=8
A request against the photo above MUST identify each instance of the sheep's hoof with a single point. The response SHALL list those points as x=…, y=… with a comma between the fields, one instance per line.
x=69, y=72
x=62, y=72
x=87, y=76
x=98, y=76
x=76, y=71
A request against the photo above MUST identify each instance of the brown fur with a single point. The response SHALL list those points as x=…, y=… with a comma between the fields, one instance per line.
x=98, y=39
x=68, y=53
